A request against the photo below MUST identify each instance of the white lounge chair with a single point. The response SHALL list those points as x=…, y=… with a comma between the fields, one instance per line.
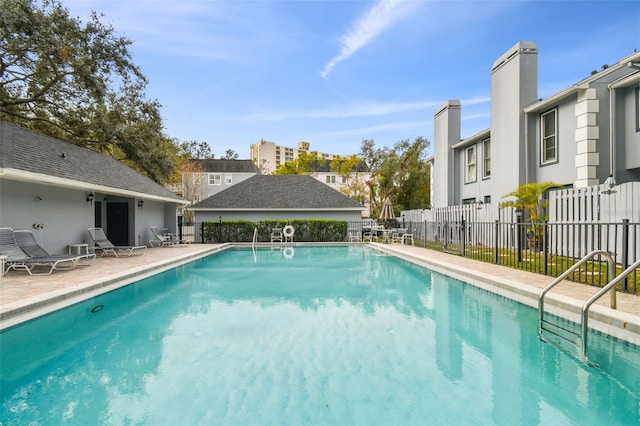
x=28, y=244
x=165, y=239
x=104, y=246
x=18, y=260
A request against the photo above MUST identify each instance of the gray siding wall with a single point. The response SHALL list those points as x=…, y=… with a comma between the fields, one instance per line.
x=627, y=134
x=514, y=84
x=563, y=170
x=447, y=133
x=66, y=214
x=209, y=190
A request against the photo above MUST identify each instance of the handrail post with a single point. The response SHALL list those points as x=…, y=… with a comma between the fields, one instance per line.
x=611, y=275
x=545, y=250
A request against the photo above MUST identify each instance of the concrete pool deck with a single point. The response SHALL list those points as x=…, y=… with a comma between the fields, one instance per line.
x=23, y=296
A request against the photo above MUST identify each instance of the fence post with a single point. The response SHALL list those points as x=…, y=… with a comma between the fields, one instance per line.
x=497, y=240
x=519, y=234
x=625, y=250
x=424, y=224
x=179, y=228
x=464, y=236
x=545, y=250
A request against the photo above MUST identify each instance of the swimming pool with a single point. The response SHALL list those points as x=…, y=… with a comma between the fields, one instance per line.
x=306, y=335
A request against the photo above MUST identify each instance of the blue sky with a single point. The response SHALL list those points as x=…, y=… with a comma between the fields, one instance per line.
x=333, y=73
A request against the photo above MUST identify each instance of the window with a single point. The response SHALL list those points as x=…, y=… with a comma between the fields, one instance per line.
x=228, y=179
x=467, y=201
x=330, y=179
x=470, y=161
x=486, y=158
x=344, y=180
x=487, y=199
x=548, y=132
x=215, y=179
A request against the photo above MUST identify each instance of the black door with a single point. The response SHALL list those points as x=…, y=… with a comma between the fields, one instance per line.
x=118, y=223
x=97, y=215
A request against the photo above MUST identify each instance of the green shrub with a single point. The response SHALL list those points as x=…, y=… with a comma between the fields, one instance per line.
x=310, y=230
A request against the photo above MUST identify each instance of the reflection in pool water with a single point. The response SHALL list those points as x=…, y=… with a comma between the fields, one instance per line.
x=332, y=335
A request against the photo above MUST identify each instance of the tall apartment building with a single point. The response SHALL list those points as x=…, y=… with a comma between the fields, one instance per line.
x=267, y=156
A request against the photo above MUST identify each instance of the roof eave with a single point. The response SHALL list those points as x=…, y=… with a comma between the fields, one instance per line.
x=30, y=177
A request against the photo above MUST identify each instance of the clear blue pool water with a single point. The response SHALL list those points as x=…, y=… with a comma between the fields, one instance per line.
x=306, y=336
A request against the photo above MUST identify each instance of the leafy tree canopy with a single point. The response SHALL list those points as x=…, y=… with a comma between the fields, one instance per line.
x=529, y=198
x=194, y=150
x=302, y=165
x=77, y=82
x=400, y=174
x=230, y=154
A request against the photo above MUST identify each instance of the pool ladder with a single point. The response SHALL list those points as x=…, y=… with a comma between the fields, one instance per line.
x=562, y=330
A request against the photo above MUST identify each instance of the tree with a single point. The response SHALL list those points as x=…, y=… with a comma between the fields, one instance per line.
x=77, y=82
x=230, y=154
x=399, y=174
x=302, y=165
x=193, y=150
x=191, y=184
x=528, y=198
x=413, y=178
x=355, y=185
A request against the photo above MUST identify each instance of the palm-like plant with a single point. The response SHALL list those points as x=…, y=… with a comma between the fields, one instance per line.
x=529, y=199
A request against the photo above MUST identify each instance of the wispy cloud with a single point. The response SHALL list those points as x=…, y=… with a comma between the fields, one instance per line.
x=363, y=109
x=359, y=131
x=380, y=17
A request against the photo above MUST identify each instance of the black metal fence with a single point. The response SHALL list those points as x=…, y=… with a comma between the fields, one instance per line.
x=544, y=248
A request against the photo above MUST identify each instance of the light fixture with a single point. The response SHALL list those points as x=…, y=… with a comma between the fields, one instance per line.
x=140, y=204
x=519, y=213
x=610, y=183
x=90, y=198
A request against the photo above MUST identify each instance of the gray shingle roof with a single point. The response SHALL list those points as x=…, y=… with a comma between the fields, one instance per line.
x=294, y=192
x=227, y=166
x=27, y=151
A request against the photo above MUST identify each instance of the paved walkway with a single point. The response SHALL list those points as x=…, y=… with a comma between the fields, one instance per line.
x=23, y=296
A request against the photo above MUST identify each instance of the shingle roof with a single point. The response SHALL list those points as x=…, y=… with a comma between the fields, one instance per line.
x=23, y=150
x=227, y=166
x=290, y=192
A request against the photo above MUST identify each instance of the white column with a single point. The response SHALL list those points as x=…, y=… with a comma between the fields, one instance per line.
x=586, y=135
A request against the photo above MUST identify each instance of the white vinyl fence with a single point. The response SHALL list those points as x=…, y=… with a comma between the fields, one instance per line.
x=580, y=219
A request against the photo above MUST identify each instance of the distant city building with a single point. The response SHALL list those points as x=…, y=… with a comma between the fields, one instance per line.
x=268, y=156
